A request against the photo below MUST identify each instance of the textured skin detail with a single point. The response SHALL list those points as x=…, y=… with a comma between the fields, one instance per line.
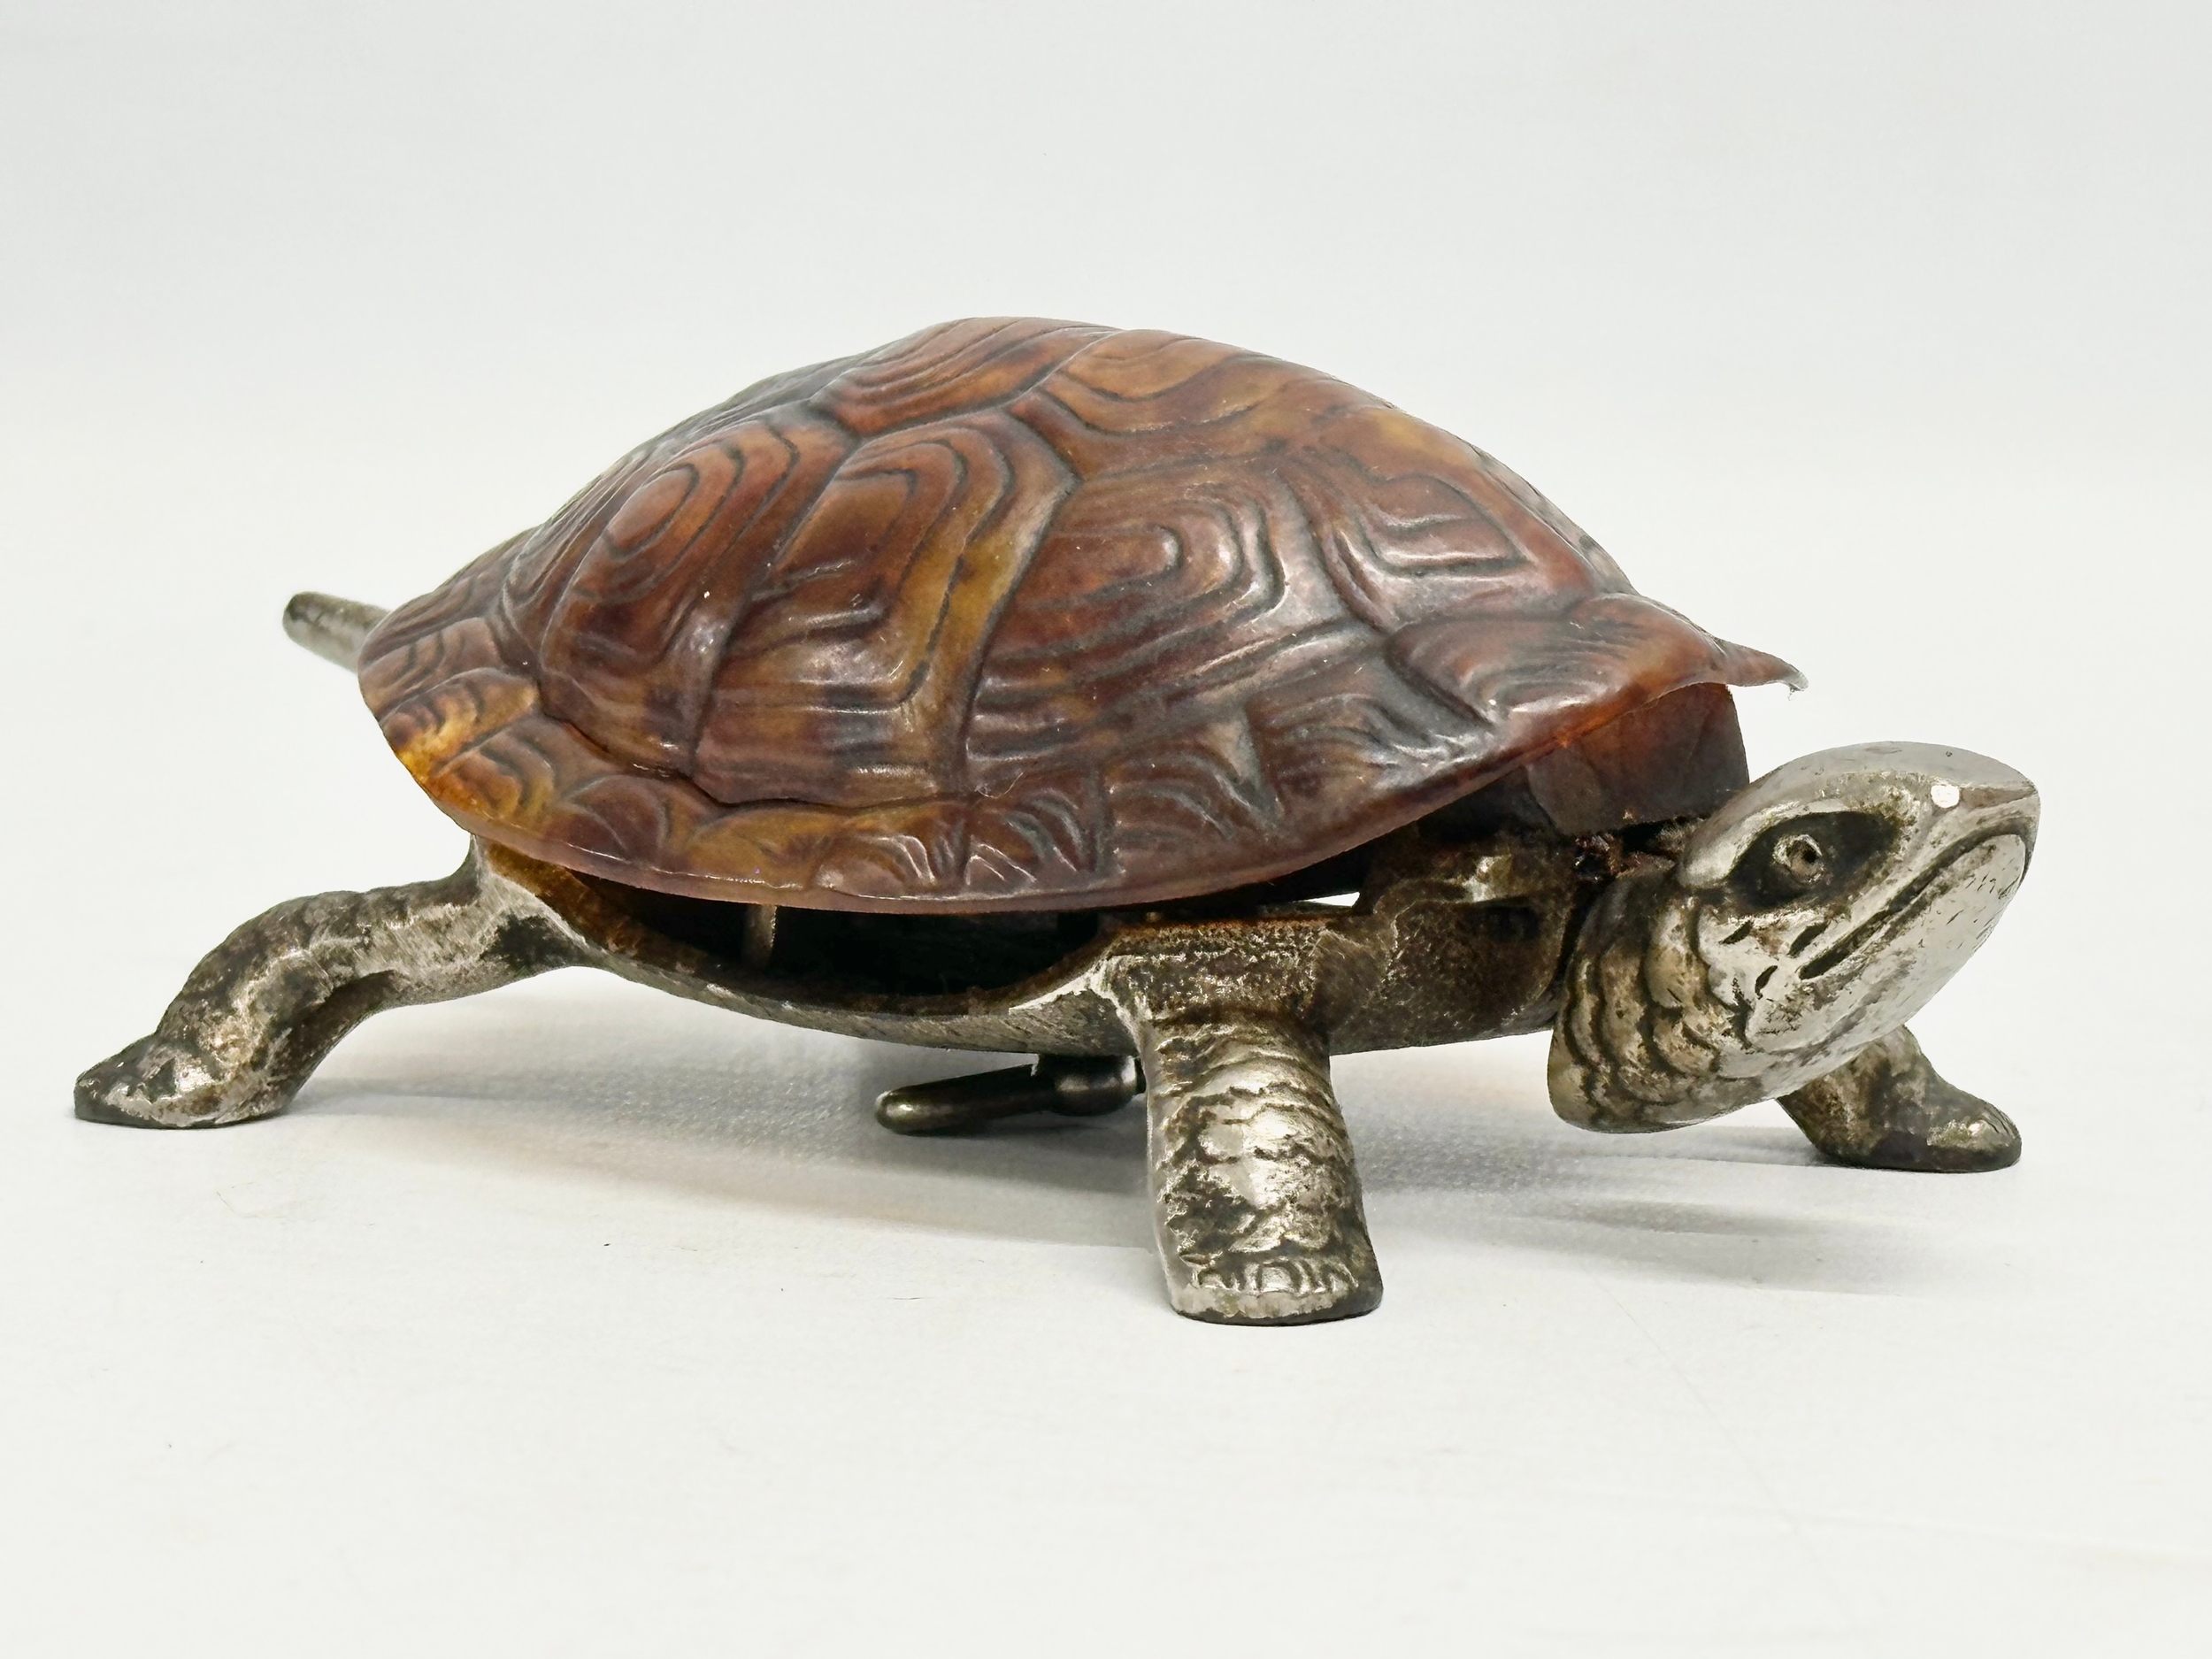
x=266, y=1006
x=1255, y=1201
x=1639, y=1040
x=1814, y=913
x=1018, y=615
x=1886, y=1109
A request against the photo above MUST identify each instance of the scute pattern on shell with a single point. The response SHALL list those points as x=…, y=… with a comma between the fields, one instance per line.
x=1016, y=614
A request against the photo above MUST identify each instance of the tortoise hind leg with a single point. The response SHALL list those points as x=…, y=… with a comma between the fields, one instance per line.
x=1255, y=1201
x=1886, y=1109
x=266, y=1005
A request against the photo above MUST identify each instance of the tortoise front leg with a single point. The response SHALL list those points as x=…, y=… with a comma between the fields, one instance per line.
x=1256, y=1201
x=269, y=1003
x=1886, y=1109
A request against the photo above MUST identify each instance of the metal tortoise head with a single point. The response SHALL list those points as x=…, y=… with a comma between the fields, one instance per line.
x=1817, y=911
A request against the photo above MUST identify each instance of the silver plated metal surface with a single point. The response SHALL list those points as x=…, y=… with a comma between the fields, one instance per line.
x=1255, y=1202
x=1885, y=1108
x=1814, y=913
x=266, y=1006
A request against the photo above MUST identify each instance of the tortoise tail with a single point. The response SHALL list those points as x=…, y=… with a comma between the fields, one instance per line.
x=332, y=628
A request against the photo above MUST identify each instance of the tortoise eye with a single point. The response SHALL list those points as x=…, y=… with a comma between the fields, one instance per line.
x=1799, y=857
x=1808, y=858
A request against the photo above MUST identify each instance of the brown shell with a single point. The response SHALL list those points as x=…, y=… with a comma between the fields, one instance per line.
x=1015, y=614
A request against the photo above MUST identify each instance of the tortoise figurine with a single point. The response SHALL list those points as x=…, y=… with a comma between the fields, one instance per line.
x=1041, y=688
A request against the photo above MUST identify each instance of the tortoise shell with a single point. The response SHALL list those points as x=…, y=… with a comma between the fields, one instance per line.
x=1016, y=614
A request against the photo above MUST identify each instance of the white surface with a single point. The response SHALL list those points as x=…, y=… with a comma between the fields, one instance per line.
x=572, y=1320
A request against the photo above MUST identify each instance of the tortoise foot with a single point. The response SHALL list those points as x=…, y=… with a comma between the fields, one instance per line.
x=1291, y=1288
x=158, y=1083
x=1977, y=1139
x=1888, y=1109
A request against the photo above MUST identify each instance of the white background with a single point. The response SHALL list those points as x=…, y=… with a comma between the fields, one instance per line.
x=577, y=1321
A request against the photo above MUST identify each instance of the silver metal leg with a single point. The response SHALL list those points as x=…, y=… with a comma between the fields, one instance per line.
x=267, y=1004
x=1886, y=1109
x=1254, y=1197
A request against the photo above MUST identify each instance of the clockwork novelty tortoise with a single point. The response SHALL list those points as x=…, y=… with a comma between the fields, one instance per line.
x=1033, y=687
